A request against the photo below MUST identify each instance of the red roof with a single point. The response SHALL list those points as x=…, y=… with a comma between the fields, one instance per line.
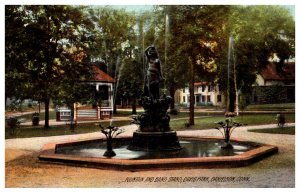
x=200, y=83
x=270, y=72
x=102, y=76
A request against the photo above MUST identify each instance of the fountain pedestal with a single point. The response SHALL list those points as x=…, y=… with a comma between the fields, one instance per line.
x=154, y=133
x=155, y=141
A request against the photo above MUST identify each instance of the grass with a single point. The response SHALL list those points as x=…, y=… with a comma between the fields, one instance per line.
x=39, y=131
x=209, y=122
x=275, y=107
x=278, y=130
x=178, y=122
x=27, y=117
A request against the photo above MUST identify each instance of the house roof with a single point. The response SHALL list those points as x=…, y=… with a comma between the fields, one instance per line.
x=200, y=83
x=102, y=76
x=271, y=73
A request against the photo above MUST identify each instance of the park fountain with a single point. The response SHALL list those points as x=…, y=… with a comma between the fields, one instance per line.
x=154, y=132
x=154, y=144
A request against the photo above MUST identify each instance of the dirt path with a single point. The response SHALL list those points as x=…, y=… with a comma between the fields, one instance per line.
x=22, y=168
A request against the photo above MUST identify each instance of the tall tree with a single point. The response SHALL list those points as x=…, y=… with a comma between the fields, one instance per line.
x=193, y=31
x=259, y=33
x=112, y=40
x=15, y=55
x=131, y=81
x=50, y=33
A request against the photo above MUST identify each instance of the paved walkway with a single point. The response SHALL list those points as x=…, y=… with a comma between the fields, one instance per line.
x=24, y=170
x=53, y=122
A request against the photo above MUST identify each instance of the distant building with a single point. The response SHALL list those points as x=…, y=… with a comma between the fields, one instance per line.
x=270, y=76
x=275, y=86
x=205, y=93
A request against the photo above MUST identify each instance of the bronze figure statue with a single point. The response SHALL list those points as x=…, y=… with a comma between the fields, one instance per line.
x=154, y=75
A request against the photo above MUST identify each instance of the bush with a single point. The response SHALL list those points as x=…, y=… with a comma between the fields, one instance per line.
x=13, y=123
x=15, y=106
x=280, y=118
x=174, y=111
x=271, y=94
x=29, y=105
x=187, y=124
x=204, y=104
x=35, y=119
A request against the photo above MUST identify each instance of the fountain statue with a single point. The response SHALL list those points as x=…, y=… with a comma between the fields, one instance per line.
x=154, y=131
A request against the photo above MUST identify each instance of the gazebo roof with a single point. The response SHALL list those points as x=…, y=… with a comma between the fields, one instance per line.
x=101, y=76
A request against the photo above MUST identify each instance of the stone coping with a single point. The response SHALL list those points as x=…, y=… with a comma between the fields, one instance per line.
x=263, y=150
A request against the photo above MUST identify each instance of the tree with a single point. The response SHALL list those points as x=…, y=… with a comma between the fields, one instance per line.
x=15, y=55
x=193, y=37
x=112, y=39
x=259, y=33
x=131, y=81
x=53, y=35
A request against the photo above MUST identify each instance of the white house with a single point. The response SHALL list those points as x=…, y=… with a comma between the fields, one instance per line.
x=204, y=93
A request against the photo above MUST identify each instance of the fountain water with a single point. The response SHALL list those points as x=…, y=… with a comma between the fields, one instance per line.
x=230, y=91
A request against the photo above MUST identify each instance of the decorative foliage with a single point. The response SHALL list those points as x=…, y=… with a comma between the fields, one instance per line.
x=13, y=124
x=110, y=132
x=228, y=126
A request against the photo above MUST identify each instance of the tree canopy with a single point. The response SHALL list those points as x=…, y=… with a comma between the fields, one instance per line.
x=49, y=48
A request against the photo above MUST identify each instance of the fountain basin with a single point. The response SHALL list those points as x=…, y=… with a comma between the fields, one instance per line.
x=243, y=154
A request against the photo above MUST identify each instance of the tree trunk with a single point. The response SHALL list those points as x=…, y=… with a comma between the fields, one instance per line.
x=192, y=98
x=47, y=104
x=134, y=105
x=115, y=109
x=172, y=94
x=72, y=122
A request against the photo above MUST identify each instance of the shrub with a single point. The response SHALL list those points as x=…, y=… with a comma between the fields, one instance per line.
x=35, y=119
x=13, y=123
x=280, y=118
x=174, y=111
x=187, y=124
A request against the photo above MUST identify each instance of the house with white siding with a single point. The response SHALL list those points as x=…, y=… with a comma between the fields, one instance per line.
x=205, y=93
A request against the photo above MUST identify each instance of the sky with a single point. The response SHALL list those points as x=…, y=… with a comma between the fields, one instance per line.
x=141, y=8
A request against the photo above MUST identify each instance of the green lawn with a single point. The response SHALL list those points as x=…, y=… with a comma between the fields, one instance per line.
x=209, y=122
x=27, y=117
x=278, y=130
x=39, y=131
x=275, y=107
x=178, y=122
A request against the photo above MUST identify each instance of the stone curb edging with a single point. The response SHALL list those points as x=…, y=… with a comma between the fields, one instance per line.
x=48, y=155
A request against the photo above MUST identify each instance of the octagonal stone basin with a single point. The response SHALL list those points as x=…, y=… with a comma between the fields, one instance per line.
x=197, y=152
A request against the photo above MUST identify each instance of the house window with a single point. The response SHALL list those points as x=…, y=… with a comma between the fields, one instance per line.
x=219, y=98
x=203, y=88
x=197, y=98
x=183, y=98
x=203, y=99
x=208, y=98
x=183, y=90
